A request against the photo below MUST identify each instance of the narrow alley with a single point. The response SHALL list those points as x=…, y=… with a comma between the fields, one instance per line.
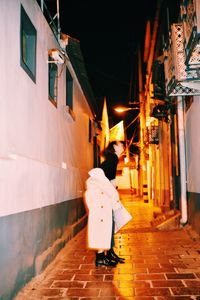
x=74, y=92
x=159, y=265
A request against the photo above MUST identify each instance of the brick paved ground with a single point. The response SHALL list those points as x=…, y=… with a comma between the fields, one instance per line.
x=159, y=265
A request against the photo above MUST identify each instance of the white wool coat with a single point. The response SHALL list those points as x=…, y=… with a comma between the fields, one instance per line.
x=101, y=198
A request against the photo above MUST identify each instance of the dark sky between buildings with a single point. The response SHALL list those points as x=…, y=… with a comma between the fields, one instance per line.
x=109, y=33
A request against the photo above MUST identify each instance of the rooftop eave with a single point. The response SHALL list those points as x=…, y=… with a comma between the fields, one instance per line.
x=76, y=58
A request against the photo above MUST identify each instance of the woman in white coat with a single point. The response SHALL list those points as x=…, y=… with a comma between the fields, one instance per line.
x=102, y=200
x=111, y=158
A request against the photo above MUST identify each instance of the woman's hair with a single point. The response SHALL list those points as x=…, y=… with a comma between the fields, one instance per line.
x=110, y=148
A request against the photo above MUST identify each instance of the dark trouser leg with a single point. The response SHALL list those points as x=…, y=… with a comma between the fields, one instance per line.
x=111, y=254
x=113, y=232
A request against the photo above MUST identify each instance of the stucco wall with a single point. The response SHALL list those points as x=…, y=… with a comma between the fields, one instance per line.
x=192, y=139
x=44, y=154
x=37, y=137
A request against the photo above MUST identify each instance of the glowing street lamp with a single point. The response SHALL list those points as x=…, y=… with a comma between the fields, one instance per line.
x=122, y=109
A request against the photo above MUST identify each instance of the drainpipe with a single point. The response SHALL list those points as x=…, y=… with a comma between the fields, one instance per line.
x=58, y=18
x=183, y=197
x=42, y=5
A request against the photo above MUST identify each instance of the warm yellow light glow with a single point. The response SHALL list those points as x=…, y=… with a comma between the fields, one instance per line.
x=121, y=109
x=126, y=160
x=117, y=132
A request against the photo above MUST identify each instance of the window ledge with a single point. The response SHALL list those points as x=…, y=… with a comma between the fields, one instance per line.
x=69, y=113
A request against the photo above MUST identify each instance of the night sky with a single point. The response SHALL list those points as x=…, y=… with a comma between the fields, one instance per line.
x=109, y=33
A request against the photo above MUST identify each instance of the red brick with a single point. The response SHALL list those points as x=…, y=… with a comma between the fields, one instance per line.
x=152, y=292
x=67, y=284
x=84, y=277
x=149, y=276
x=83, y=292
x=191, y=283
x=181, y=276
x=167, y=283
x=186, y=291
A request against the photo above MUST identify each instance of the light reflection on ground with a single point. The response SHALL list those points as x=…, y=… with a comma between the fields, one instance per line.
x=123, y=274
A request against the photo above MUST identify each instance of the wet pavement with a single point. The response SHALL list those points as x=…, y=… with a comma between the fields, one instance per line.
x=159, y=265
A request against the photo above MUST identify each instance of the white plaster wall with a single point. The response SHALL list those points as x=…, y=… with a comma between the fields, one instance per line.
x=123, y=181
x=192, y=138
x=36, y=137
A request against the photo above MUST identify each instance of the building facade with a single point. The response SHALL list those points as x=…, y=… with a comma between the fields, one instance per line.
x=170, y=102
x=48, y=142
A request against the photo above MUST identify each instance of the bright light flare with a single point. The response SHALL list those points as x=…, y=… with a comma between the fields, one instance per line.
x=122, y=109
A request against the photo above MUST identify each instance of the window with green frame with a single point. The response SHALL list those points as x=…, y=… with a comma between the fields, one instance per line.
x=69, y=89
x=28, y=35
x=53, y=82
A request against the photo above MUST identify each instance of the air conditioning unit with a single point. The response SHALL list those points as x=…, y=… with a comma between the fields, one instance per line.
x=57, y=56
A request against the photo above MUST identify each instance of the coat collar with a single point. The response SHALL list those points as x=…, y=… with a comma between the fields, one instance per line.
x=97, y=173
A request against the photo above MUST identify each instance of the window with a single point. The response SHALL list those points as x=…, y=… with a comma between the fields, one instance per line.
x=28, y=45
x=53, y=82
x=69, y=89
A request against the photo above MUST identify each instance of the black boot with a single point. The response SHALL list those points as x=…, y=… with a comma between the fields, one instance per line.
x=112, y=255
x=102, y=260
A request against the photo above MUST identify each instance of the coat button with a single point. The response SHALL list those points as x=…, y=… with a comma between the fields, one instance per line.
x=101, y=206
x=102, y=193
x=101, y=220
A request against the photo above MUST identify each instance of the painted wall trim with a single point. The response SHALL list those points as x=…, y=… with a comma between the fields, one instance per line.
x=30, y=241
x=194, y=210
